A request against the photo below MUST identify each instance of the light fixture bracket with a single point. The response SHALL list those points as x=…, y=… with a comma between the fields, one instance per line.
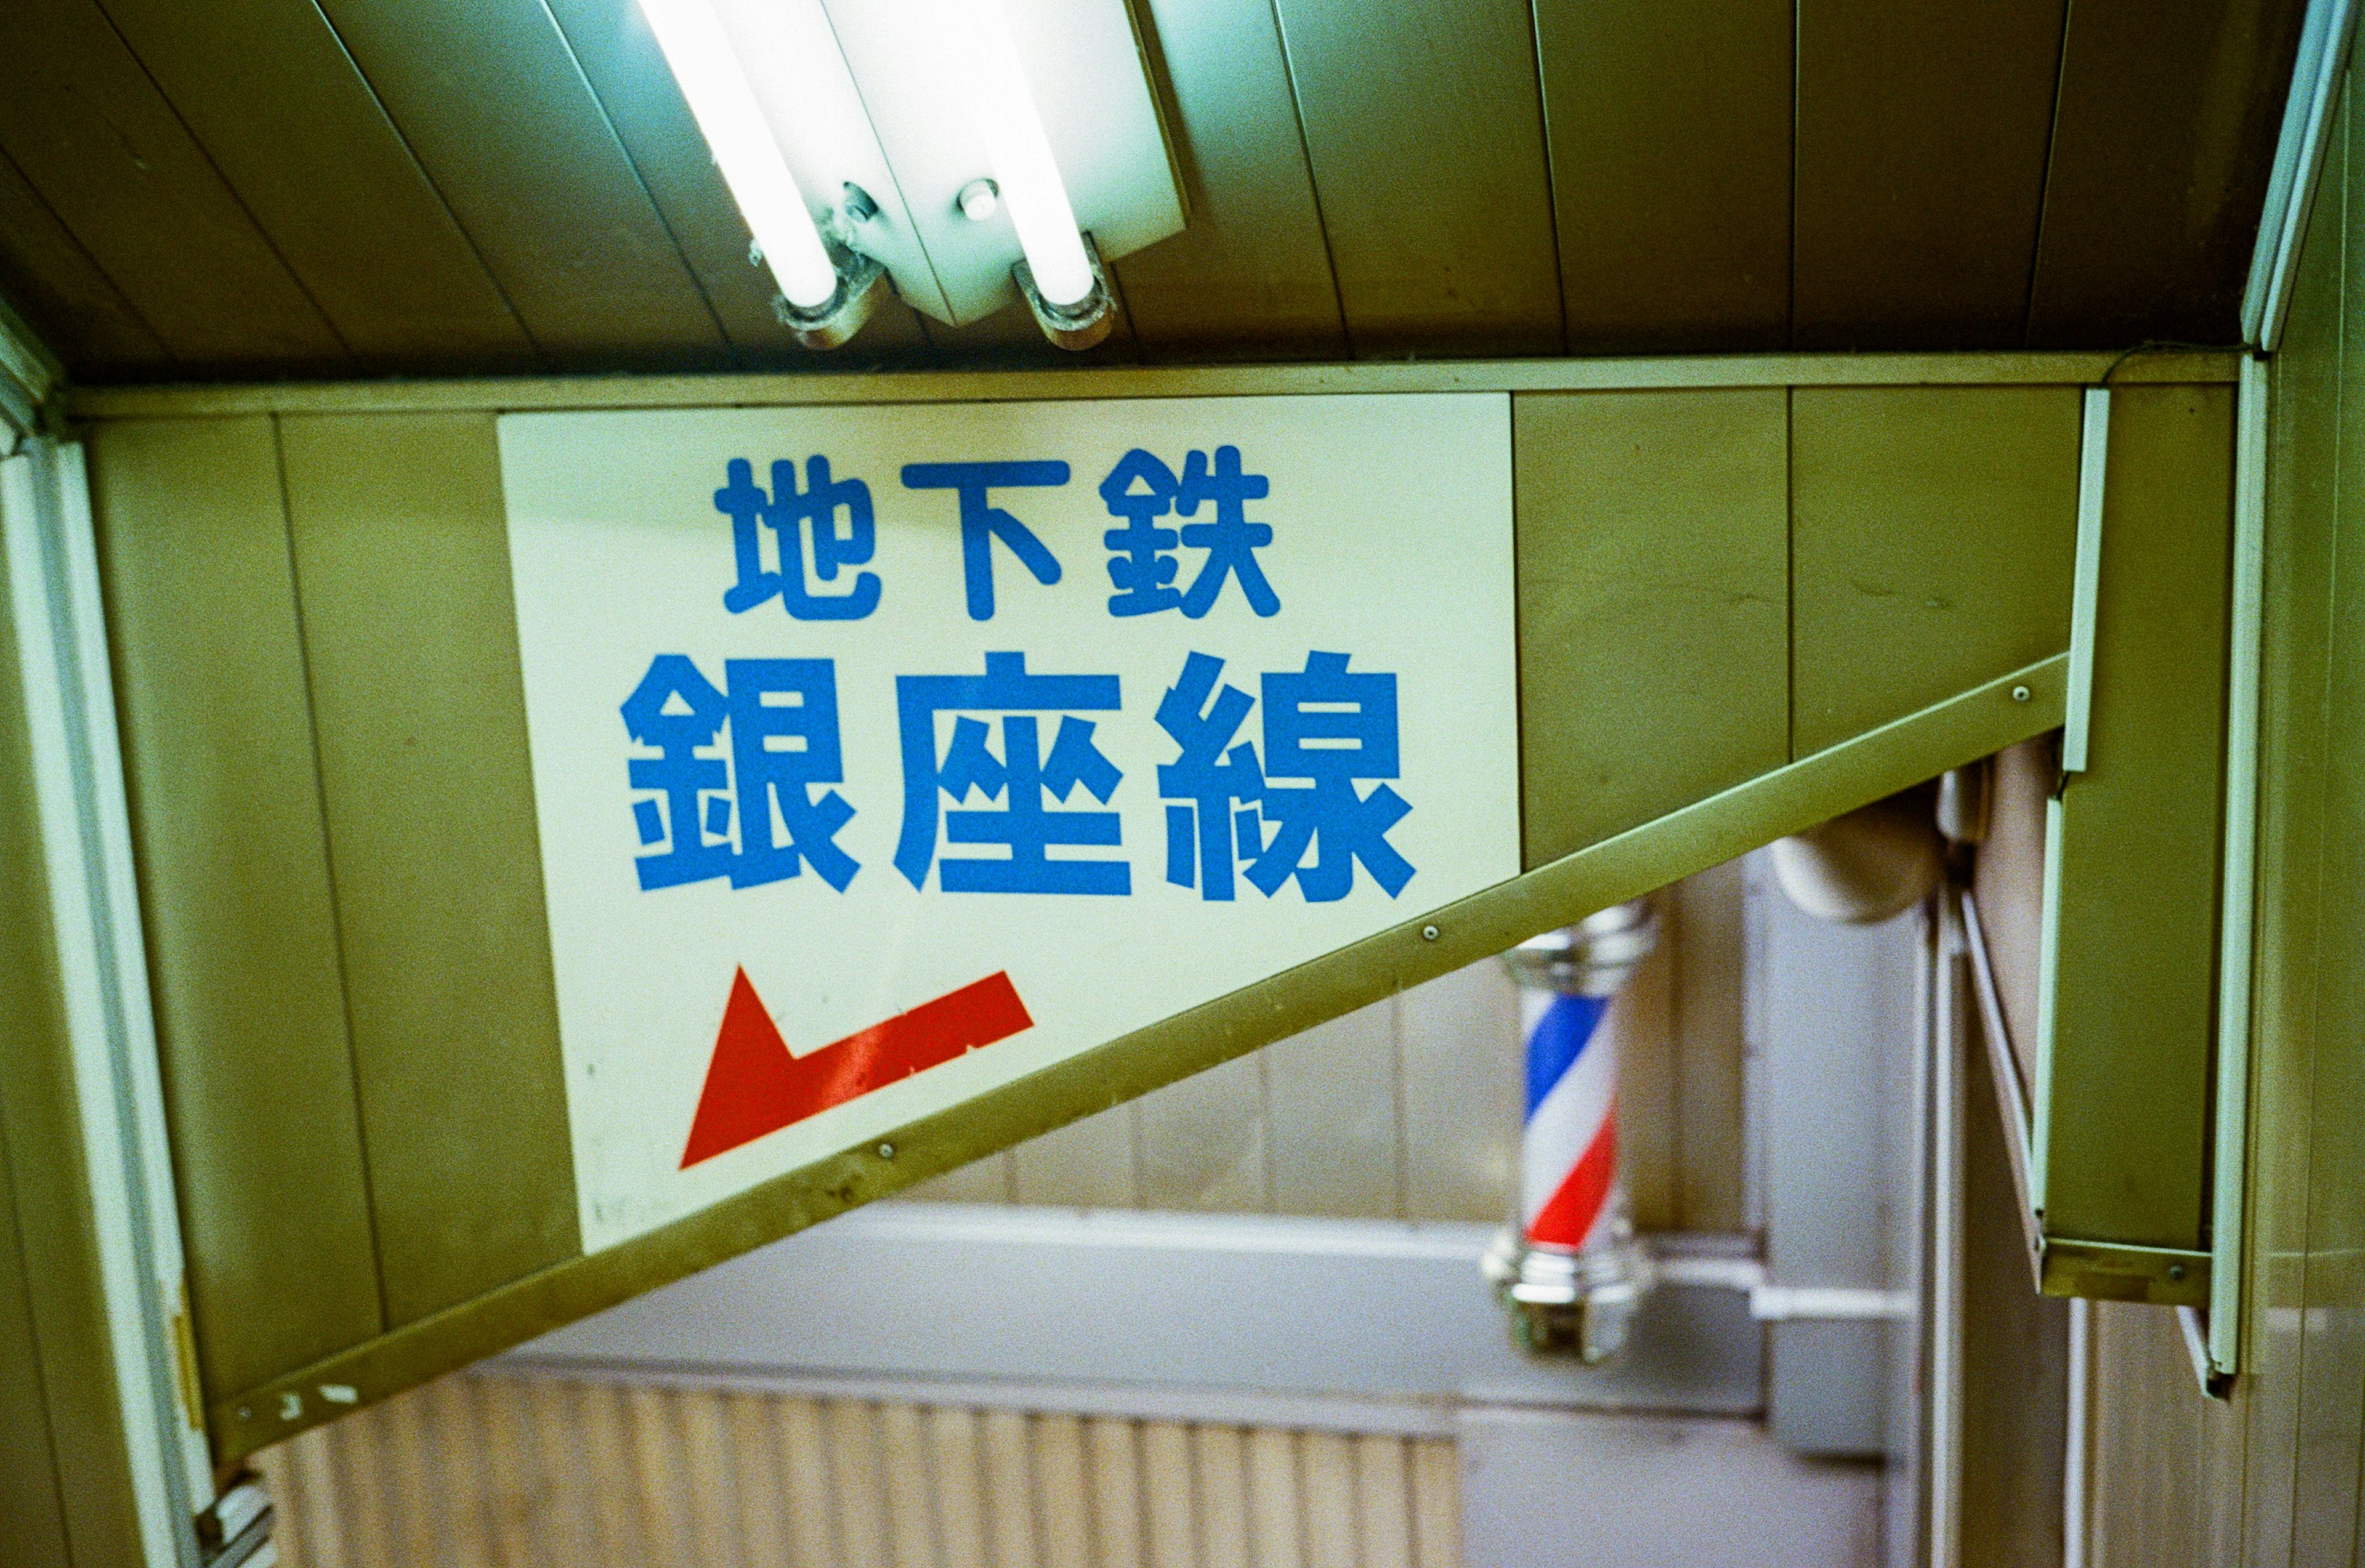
x=861, y=284
x=1075, y=327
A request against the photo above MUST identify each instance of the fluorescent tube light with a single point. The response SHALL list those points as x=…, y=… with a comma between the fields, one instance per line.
x=1007, y=121
x=732, y=123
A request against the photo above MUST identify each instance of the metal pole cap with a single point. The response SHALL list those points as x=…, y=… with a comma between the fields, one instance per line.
x=1592, y=958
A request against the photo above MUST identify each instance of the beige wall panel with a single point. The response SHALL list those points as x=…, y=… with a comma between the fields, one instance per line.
x=1425, y=139
x=1934, y=532
x=31, y=1503
x=1098, y=1493
x=401, y=551
x=961, y=1496
x=2155, y=1484
x=1669, y=124
x=2135, y=946
x=1702, y=927
x=226, y=826
x=1331, y=1104
x=1652, y=567
x=1650, y=1135
x=1383, y=1502
x=1113, y=1452
x=1250, y=276
x=1204, y=1141
x=1462, y=1093
x=1062, y=1487
x=987, y=1180
x=1220, y=1475
x=1276, y=1500
x=1169, y=1516
x=1086, y=1164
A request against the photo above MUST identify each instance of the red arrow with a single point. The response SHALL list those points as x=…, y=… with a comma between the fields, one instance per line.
x=754, y=1086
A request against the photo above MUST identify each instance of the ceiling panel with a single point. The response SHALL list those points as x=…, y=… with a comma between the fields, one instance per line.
x=2168, y=114
x=89, y=132
x=51, y=278
x=270, y=92
x=1249, y=275
x=1921, y=170
x=618, y=57
x=1425, y=130
x=489, y=98
x=1669, y=125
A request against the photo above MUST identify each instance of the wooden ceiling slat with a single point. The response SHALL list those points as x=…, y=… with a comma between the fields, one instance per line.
x=90, y=133
x=1424, y=126
x=489, y=98
x=267, y=89
x=620, y=58
x=2166, y=129
x=1669, y=125
x=1922, y=134
x=1250, y=276
x=63, y=295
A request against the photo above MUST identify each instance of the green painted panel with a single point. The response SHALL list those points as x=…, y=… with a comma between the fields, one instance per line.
x=51, y=1298
x=32, y=1509
x=1653, y=569
x=1250, y=277
x=402, y=553
x=2136, y=954
x=2302, y=441
x=1669, y=125
x=1934, y=532
x=2332, y=1317
x=234, y=892
x=1425, y=137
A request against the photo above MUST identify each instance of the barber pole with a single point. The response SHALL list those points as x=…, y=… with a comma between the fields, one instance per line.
x=1570, y=1270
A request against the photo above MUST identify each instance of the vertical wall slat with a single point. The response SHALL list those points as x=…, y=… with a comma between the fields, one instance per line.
x=813, y=1517
x=1649, y=1134
x=655, y=1427
x=1009, y=1487
x=561, y=1421
x=1251, y=273
x=1276, y=1525
x=1425, y=139
x=1328, y=1499
x=1670, y=127
x=1437, y=1504
x=709, y=1477
x=225, y=806
x=1652, y=543
x=401, y=551
x=856, y=1483
x=1113, y=1449
x=1919, y=175
x=1062, y=1491
x=1219, y=1465
x=755, y=1457
x=910, y=1484
x=960, y=1500
x=1383, y=1502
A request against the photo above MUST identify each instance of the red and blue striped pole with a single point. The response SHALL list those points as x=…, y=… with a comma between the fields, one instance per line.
x=1571, y=1271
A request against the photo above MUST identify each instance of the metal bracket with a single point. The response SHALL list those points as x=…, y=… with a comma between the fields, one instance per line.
x=861, y=284
x=1074, y=327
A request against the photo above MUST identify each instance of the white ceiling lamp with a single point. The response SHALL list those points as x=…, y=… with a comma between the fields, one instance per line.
x=823, y=301
x=1058, y=276
x=979, y=154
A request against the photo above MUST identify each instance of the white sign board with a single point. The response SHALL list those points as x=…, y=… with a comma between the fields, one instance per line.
x=883, y=756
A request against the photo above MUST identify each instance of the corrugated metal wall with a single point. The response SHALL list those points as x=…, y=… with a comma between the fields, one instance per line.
x=478, y=1470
